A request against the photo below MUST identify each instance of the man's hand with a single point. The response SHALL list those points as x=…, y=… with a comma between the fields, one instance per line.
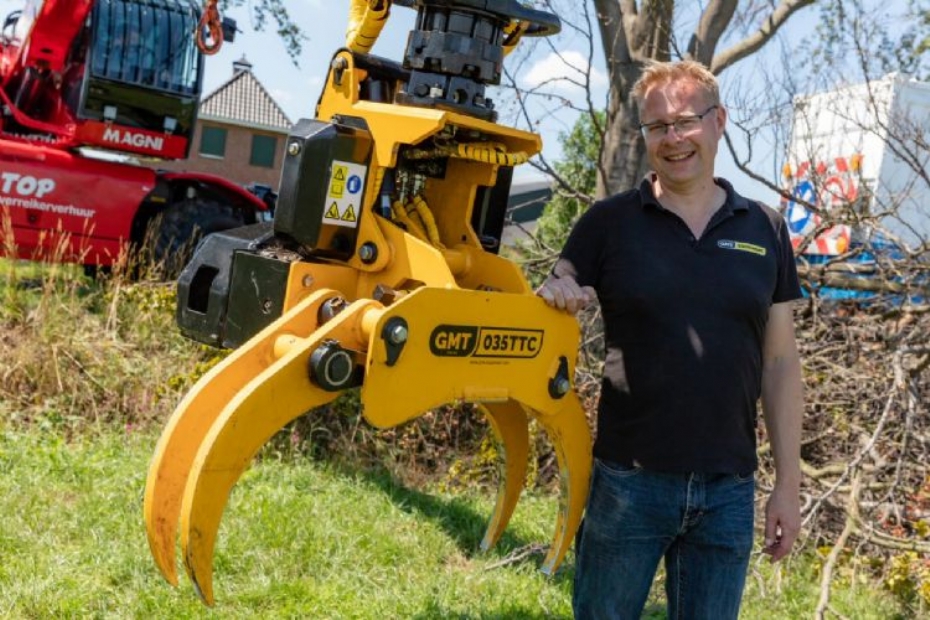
x=565, y=294
x=782, y=522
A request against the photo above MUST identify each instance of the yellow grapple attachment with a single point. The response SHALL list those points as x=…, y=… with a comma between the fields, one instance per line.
x=379, y=272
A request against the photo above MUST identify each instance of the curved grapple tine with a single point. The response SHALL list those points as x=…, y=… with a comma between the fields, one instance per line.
x=509, y=423
x=278, y=395
x=192, y=419
x=571, y=438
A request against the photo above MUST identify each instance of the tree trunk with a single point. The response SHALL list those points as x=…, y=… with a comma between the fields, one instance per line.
x=636, y=32
x=632, y=36
x=623, y=157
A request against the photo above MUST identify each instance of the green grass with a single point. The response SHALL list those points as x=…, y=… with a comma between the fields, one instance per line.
x=90, y=371
x=299, y=539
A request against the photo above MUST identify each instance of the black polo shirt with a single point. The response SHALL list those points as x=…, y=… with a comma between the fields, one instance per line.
x=684, y=322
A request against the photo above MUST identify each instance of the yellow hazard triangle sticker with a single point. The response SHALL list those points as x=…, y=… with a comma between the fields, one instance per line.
x=349, y=215
x=333, y=212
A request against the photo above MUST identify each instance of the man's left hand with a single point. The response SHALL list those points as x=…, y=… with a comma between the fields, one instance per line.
x=782, y=522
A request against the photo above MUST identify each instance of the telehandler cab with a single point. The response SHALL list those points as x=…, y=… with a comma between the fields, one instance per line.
x=87, y=87
x=380, y=272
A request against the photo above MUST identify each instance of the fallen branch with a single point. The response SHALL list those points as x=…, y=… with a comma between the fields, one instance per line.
x=519, y=555
x=849, y=527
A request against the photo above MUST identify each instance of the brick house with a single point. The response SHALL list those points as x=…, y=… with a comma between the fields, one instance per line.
x=240, y=132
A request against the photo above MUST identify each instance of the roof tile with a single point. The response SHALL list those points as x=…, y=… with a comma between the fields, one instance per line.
x=243, y=100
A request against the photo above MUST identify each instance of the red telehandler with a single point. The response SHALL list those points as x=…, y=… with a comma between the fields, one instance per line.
x=81, y=78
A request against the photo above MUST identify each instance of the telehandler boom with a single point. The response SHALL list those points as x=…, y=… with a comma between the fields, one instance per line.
x=379, y=271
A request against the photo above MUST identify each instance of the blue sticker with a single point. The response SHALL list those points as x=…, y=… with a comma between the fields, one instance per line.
x=354, y=184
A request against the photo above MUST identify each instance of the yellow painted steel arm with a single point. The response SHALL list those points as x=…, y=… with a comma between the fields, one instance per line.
x=474, y=346
x=494, y=349
x=276, y=396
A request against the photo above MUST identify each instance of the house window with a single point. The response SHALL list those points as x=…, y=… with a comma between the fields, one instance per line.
x=263, y=150
x=213, y=142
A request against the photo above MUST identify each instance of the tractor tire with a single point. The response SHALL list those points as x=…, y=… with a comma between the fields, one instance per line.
x=176, y=232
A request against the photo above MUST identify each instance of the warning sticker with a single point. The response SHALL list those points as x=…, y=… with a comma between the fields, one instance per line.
x=344, y=194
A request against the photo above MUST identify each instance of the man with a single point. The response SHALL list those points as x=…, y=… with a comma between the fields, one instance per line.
x=695, y=284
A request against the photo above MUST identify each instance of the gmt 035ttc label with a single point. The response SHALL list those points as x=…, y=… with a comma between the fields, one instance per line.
x=475, y=341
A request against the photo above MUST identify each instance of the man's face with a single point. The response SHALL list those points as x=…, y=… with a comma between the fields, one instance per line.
x=683, y=159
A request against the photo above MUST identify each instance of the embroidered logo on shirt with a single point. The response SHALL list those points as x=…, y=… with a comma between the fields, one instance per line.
x=742, y=246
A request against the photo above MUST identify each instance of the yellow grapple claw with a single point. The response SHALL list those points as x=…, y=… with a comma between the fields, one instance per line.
x=278, y=395
x=428, y=314
x=571, y=440
x=192, y=419
x=509, y=423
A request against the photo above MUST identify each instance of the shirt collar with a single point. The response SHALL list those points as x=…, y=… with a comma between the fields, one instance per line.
x=734, y=201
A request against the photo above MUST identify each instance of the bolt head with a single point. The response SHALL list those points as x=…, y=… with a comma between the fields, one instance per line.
x=293, y=149
x=384, y=294
x=562, y=386
x=307, y=281
x=368, y=252
x=398, y=334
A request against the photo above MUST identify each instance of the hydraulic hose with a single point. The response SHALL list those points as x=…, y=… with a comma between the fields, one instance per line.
x=366, y=19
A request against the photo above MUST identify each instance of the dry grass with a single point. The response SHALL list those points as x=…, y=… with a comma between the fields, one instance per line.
x=81, y=352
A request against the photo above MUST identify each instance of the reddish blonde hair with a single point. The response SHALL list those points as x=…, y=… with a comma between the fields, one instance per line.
x=661, y=73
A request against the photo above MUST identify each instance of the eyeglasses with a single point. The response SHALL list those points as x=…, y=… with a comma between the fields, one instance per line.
x=683, y=125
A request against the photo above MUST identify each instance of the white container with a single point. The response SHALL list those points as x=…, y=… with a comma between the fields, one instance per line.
x=865, y=144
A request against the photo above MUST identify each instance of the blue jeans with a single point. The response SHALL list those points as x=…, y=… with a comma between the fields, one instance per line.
x=702, y=524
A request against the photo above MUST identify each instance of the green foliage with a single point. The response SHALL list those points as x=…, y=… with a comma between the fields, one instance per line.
x=908, y=573
x=902, y=49
x=276, y=11
x=183, y=381
x=484, y=466
x=581, y=149
x=909, y=579
x=467, y=471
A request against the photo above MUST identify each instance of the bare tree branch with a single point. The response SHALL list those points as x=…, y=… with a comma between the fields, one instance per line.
x=755, y=41
x=714, y=21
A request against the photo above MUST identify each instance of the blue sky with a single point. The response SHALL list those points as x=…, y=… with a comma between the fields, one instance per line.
x=296, y=88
